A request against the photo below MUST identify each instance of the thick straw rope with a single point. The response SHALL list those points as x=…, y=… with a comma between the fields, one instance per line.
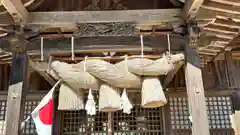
x=114, y=74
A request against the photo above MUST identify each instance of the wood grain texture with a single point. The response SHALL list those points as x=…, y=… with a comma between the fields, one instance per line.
x=195, y=89
x=16, y=93
x=159, y=43
x=191, y=8
x=234, y=77
x=171, y=74
x=17, y=10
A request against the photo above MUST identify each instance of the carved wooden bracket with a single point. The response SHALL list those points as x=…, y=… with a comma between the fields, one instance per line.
x=194, y=33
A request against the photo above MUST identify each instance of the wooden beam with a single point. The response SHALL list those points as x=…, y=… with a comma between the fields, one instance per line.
x=6, y=19
x=223, y=29
x=210, y=13
x=229, y=2
x=69, y=19
x=16, y=93
x=158, y=43
x=227, y=23
x=41, y=69
x=156, y=16
x=216, y=6
x=219, y=34
x=191, y=8
x=195, y=90
x=171, y=74
x=17, y=10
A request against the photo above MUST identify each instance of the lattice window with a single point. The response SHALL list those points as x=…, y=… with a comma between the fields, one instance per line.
x=29, y=126
x=141, y=120
x=144, y=121
x=3, y=107
x=218, y=109
x=179, y=113
x=78, y=123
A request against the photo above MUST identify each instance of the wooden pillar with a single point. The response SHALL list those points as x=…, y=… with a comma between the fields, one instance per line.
x=16, y=92
x=194, y=85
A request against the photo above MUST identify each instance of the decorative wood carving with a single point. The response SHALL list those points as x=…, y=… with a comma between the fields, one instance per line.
x=106, y=29
x=94, y=6
x=115, y=5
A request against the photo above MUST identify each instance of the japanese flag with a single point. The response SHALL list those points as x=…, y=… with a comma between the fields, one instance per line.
x=42, y=114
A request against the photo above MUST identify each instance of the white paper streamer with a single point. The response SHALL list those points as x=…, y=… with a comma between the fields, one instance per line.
x=125, y=103
x=90, y=105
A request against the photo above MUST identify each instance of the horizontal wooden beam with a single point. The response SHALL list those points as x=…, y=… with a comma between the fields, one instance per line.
x=71, y=18
x=157, y=43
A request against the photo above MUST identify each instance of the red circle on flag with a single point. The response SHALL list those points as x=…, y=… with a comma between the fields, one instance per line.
x=45, y=113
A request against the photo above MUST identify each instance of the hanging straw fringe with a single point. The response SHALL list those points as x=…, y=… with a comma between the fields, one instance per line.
x=90, y=105
x=72, y=48
x=42, y=49
x=142, y=46
x=169, y=44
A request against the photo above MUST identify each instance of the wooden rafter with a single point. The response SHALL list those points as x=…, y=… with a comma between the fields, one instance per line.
x=229, y=2
x=216, y=6
x=171, y=74
x=16, y=10
x=42, y=71
x=191, y=8
x=222, y=29
x=212, y=14
x=227, y=23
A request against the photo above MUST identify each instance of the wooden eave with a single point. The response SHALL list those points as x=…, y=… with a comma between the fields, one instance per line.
x=225, y=27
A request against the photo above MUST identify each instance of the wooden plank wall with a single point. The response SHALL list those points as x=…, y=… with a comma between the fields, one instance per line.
x=4, y=76
x=36, y=82
x=215, y=76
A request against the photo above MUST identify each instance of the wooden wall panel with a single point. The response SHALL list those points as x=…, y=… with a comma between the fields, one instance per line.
x=4, y=76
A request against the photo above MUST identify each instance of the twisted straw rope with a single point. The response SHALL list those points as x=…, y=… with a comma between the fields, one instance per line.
x=116, y=75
